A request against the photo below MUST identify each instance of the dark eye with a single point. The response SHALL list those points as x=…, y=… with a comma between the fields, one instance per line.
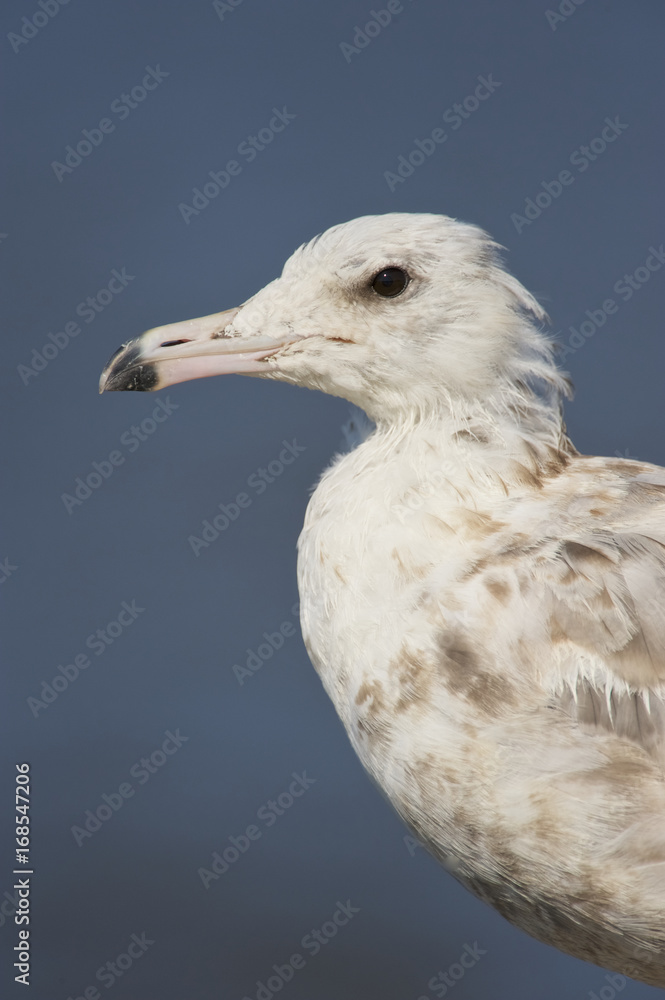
x=391, y=281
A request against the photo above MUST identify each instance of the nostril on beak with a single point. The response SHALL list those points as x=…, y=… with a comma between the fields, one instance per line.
x=174, y=343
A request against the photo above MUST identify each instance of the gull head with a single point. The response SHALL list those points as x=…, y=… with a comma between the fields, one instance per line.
x=401, y=314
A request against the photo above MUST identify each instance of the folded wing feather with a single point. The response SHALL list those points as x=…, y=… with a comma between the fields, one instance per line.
x=606, y=594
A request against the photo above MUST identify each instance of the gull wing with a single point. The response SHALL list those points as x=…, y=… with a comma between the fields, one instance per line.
x=604, y=592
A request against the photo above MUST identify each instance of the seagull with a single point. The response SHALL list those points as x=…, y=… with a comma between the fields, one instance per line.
x=484, y=605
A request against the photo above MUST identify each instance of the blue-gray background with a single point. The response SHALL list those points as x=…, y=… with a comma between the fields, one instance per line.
x=173, y=667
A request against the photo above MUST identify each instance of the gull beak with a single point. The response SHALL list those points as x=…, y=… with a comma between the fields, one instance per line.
x=195, y=348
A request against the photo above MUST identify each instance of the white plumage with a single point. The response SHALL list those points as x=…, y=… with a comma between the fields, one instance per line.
x=484, y=606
